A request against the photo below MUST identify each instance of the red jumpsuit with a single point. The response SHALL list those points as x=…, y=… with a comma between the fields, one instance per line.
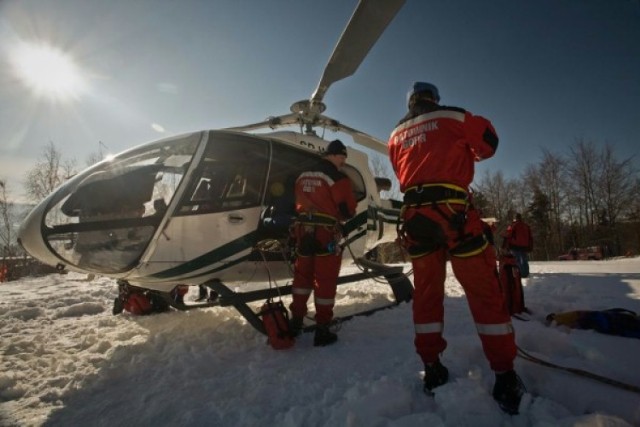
x=433, y=150
x=519, y=236
x=519, y=241
x=324, y=198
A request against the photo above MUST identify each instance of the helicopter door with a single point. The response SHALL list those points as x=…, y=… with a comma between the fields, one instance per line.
x=214, y=224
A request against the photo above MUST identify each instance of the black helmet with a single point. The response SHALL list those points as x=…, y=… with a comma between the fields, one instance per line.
x=336, y=147
x=420, y=87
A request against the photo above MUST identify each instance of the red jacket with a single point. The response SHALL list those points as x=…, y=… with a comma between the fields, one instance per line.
x=325, y=190
x=435, y=144
x=519, y=236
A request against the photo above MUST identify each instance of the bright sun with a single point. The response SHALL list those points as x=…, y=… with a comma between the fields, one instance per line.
x=47, y=71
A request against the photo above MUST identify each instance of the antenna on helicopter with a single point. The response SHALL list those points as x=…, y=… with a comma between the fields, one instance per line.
x=366, y=25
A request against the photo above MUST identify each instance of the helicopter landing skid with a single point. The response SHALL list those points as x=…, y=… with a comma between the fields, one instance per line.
x=399, y=282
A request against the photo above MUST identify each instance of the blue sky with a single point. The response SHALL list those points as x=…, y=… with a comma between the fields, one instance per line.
x=544, y=72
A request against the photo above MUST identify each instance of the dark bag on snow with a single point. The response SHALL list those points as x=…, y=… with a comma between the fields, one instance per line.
x=614, y=321
x=276, y=323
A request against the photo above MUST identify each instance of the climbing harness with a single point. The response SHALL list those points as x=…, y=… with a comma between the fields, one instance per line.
x=305, y=231
x=427, y=235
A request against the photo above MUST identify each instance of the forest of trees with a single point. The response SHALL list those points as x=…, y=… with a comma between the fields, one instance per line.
x=585, y=197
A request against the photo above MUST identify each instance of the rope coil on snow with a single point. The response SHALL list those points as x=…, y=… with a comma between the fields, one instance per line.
x=527, y=356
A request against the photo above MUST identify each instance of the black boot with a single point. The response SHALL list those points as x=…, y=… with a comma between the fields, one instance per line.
x=435, y=375
x=213, y=296
x=508, y=391
x=295, y=326
x=324, y=336
x=118, y=306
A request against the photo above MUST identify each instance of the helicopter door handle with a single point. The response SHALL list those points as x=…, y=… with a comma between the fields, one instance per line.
x=235, y=218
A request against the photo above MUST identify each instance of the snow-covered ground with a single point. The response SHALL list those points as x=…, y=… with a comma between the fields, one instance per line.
x=67, y=361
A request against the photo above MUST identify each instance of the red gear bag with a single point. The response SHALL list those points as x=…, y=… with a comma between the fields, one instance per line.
x=276, y=323
x=511, y=284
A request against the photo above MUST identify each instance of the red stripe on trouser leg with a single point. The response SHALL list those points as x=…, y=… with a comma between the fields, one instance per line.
x=303, y=280
x=478, y=277
x=428, y=296
x=327, y=270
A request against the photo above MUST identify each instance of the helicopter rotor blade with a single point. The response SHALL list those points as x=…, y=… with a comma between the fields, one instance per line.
x=367, y=23
x=359, y=137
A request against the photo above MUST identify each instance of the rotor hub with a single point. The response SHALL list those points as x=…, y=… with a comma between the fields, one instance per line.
x=307, y=108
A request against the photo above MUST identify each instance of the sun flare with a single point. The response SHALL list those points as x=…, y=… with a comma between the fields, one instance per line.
x=47, y=71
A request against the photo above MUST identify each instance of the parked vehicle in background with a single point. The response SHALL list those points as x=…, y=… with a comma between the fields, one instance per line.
x=588, y=253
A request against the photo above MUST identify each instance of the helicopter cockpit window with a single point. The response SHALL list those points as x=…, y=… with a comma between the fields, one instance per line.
x=357, y=182
x=107, y=216
x=231, y=176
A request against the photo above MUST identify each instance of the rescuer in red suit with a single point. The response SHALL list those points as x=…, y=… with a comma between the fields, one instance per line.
x=433, y=150
x=519, y=241
x=324, y=199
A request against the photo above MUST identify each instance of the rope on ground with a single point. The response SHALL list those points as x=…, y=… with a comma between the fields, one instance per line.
x=628, y=387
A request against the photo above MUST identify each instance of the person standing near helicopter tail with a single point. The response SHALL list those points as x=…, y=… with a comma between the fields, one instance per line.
x=432, y=150
x=324, y=199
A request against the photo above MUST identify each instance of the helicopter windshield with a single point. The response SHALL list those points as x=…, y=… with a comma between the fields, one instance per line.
x=104, y=219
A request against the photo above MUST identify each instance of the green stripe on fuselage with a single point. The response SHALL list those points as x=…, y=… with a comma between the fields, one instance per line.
x=215, y=256
x=226, y=251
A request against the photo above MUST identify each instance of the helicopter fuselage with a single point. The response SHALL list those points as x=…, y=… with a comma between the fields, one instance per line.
x=190, y=209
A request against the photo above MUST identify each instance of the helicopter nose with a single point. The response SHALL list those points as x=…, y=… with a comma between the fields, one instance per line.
x=31, y=238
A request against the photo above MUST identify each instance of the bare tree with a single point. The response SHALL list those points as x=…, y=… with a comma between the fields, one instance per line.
x=583, y=198
x=550, y=177
x=94, y=158
x=618, y=183
x=600, y=189
x=49, y=172
x=585, y=168
x=500, y=194
x=6, y=216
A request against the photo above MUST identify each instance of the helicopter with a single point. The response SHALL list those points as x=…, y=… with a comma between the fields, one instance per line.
x=190, y=209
